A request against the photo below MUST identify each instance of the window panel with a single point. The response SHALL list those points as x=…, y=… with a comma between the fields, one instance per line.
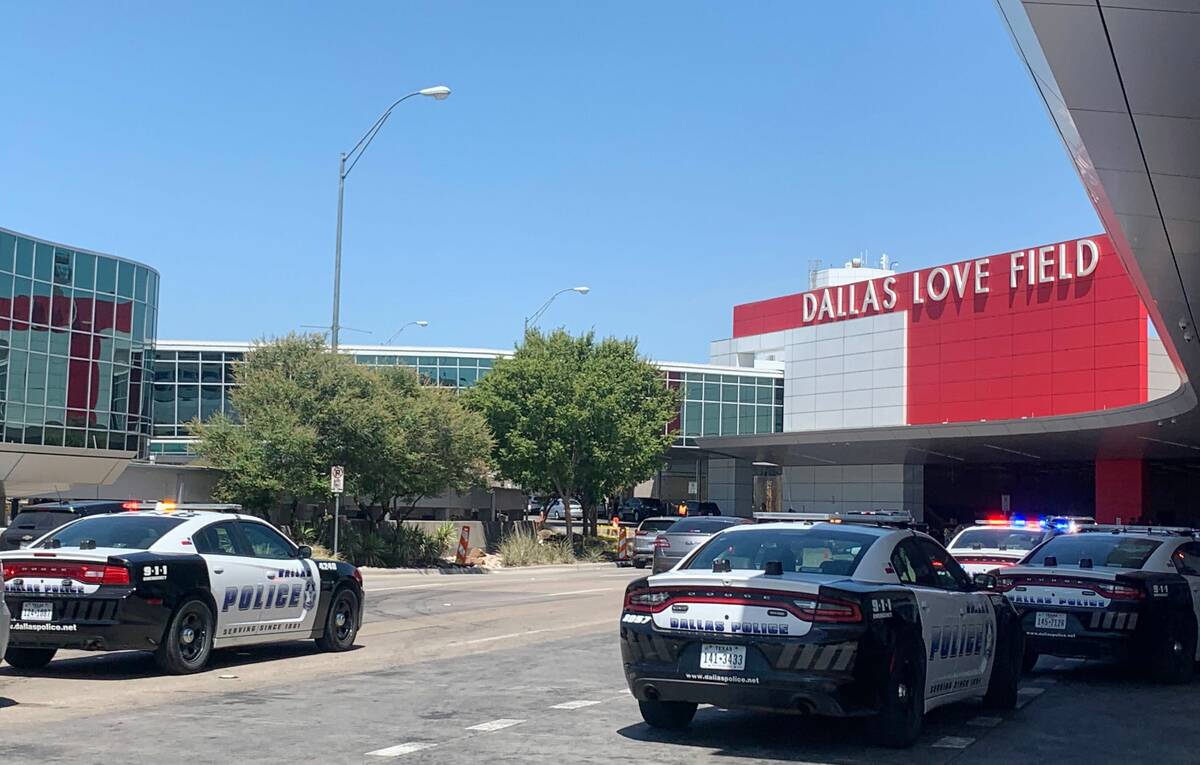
x=729, y=419
x=210, y=401
x=106, y=276
x=691, y=420
x=125, y=279
x=35, y=389
x=188, y=403
x=712, y=420
x=83, y=276
x=139, y=284
x=729, y=393
x=56, y=383
x=210, y=373
x=746, y=416
x=8, y=246
x=43, y=262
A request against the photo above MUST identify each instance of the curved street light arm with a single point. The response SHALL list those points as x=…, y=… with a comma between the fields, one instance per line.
x=360, y=148
x=538, y=313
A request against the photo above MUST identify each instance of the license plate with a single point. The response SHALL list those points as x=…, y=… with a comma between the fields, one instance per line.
x=37, y=612
x=731, y=658
x=1045, y=621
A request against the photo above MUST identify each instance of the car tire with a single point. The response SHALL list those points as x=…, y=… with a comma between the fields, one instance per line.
x=1029, y=660
x=1007, y=669
x=29, y=658
x=667, y=715
x=188, y=641
x=639, y=564
x=902, y=708
x=341, y=623
x=1172, y=655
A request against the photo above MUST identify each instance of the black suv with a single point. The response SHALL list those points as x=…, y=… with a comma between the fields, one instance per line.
x=638, y=509
x=37, y=520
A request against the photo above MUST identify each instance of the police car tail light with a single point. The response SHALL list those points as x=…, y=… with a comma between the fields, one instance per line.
x=827, y=610
x=1118, y=591
x=88, y=573
x=357, y=576
x=645, y=600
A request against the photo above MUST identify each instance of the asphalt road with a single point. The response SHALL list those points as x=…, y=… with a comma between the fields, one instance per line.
x=523, y=668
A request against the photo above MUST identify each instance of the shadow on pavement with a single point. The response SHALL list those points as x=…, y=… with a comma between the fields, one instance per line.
x=125, y=665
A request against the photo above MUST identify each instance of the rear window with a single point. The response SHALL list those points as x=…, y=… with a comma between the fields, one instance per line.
x=1105, y=550
x=132, y=532
x=656, y=525
x=997, y=539
x=700, y=525
x=42, y=521
x=809, y=551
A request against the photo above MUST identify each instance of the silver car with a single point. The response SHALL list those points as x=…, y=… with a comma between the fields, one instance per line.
x=643, y=539
x=557, y=512
x=685, y=535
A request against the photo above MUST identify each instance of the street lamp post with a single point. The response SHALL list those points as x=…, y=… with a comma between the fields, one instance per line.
x=531, y=320
x=419, y=323
x=439, y=92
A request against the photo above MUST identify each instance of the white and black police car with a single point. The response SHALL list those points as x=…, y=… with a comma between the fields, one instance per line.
x=1112, y=592
x=859, y=616
x=176, y=581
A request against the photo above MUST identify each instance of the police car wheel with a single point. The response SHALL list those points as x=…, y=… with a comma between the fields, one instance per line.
x=668, y=715
x=341, y=625
x=188, y=641
x=1173, y=653
x=1007, y=668
x=29, y=658
x=902, y=708
x=639, y=564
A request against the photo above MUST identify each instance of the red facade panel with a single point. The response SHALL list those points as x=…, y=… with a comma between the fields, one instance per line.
x=1051, y=330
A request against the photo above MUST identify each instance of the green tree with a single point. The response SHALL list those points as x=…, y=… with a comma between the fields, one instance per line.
x=577, y=417
x=303, y=409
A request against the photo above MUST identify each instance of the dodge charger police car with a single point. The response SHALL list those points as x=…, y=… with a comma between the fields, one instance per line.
x=839, y=619
x=179, y=584
x=1112, y=593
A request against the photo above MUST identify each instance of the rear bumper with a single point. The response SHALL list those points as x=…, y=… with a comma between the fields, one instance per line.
x=662, y=564
x=92, y=624
x=1079, y=640
x=827, y=673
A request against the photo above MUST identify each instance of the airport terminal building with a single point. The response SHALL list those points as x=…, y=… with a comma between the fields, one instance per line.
x=819, y=400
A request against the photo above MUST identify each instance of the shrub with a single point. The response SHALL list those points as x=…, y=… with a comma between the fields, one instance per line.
x=521, y=548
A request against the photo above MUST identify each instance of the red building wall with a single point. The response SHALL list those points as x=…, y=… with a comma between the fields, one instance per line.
x=1058, y=338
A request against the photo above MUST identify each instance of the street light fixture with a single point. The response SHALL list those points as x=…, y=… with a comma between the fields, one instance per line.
x=531, y=320
x=419, y=323
x=438, y=93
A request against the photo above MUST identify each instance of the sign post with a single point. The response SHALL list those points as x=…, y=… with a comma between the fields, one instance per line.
x=337, y=482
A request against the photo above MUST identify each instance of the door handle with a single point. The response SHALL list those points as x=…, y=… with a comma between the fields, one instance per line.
x=218, y=571
x=924, y=606
x=270, y=576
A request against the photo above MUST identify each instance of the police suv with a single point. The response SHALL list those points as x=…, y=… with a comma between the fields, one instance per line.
x=178, y=582
x=858, y=616
x=1112, y=592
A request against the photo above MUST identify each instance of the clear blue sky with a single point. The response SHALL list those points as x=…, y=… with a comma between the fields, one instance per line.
x=676, y=157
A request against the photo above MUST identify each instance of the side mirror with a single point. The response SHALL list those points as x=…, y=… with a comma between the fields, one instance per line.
x=304, y=552
x=985, y=581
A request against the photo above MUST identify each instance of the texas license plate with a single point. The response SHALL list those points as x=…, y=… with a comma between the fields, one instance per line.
x=731, y=658
x=1045, y=621
x=37, y=612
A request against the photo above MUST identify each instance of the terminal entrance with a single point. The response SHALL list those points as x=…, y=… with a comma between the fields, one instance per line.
x=1152, y=491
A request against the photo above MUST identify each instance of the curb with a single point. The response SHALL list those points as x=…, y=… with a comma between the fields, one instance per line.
x=437, y=572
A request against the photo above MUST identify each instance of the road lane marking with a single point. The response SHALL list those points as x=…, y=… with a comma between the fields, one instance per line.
x=985, y=722
x=953, y=742
x=495, y=725
x=399, y=749
x=580, y=704
x=1026, y=695
x=532, y=632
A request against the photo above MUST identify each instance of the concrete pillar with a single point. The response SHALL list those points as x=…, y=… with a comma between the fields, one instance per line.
x=1120, y=490
x=731, y=486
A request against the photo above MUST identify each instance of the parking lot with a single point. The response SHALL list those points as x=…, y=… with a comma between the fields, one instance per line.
x=524, y=667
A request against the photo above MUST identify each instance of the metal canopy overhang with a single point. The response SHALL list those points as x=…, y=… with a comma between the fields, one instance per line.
x=1120, y=84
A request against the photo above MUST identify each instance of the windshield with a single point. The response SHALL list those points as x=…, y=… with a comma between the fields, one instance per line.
x=807, y=551
x=701, y=525
x=133, y=532
x=656, y=525
x=997, y=539
x=1104, y=549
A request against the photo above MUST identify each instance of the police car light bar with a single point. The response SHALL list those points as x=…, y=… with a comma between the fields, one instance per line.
x=1110, y=528
x=166, y=506
x=881, y=517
